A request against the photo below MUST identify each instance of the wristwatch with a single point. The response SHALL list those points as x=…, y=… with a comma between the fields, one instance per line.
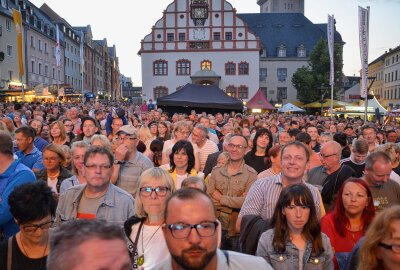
x=118, y=161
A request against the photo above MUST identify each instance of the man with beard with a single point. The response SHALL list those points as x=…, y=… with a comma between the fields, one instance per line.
x=192, y=236
x=385, y=192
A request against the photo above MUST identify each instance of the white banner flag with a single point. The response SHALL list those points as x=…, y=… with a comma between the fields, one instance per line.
x=331, y=33
x=81, y=53
x=363, y=36
x=58, y=47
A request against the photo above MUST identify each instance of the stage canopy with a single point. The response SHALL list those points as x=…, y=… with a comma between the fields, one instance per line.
x=208, y=98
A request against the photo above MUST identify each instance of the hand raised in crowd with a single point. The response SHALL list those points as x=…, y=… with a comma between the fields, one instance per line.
x=121, y=152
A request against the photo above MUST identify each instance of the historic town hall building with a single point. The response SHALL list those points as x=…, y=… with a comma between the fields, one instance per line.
x=208, y=42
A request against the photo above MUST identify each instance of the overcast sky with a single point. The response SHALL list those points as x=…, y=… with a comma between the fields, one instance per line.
x=126, y=22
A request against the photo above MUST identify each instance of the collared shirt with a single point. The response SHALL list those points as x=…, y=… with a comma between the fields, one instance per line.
x=117, y=205
x=229, y=260
x=32, y=160
x=130, y=171
x=263, y=195
x=232, y=187
x=40, y=143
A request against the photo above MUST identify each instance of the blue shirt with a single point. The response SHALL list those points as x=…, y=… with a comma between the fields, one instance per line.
x=33, y=160
x=40, y=143
x=17, y=174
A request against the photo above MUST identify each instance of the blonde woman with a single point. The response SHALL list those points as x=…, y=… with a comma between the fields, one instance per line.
x=380, y=249
x=146, y=137
x=144, y=228
x=58, y=134
x=78, y=150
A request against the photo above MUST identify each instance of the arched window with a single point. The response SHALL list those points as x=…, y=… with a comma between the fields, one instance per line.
x=243, y=92
x=230, y=68
x=282, y=50
x=160, y=68
x=183, y=67
x=160, y=91
x=231, y=91
x=301, y=51
x=206, y=64
x=243, y=68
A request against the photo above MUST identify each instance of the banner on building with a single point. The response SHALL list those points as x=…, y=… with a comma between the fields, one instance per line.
x=331, y=36
x=363, y=38
x=81, y=52
x=58, y=48
x=18, y=30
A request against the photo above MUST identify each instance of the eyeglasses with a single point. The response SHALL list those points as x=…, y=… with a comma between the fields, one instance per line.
x=127, y=138
x=327, y=156
x=32, y=228
x=101, y=166
x=236, y=146
x=160, y=191
x=394, y=248
x=182, y=230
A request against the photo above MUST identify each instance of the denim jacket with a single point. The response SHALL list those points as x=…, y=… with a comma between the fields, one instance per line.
x=117, y=205
x=290, y=259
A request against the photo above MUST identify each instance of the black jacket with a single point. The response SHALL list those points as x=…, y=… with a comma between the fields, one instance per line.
x=64, y=174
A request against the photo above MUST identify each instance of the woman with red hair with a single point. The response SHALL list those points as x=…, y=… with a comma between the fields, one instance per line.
x=347, y=223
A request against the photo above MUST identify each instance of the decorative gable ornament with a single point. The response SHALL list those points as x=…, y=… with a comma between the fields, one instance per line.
x=199, y=11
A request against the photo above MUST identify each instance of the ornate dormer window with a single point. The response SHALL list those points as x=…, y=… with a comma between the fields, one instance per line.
x=199, y=11
x=301, y=51
x=282, y=50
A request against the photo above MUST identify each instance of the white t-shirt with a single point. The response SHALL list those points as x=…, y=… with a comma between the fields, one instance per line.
x=151, y=243
x=52, y=183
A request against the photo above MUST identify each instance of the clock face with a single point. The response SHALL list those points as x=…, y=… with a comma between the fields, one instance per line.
x=199, y=13
x=199, y=33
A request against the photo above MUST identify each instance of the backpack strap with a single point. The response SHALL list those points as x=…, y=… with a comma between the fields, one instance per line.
x=9, y=253
x=227, y=257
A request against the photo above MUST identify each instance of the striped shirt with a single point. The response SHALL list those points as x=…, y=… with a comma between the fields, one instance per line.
x=208, y=148
x=263, y=196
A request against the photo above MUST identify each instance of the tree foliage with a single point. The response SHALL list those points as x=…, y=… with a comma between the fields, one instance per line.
x=309, y=80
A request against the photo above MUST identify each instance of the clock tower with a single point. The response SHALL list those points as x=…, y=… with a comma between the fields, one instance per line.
x=281, y=6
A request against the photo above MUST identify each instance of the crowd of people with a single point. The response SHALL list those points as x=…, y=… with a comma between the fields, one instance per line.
x=119, y=186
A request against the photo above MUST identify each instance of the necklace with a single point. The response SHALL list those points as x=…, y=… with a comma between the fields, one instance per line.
x=26, y=253
x=141, y=257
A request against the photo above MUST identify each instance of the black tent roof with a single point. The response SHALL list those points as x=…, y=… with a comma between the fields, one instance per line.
x=201, y=96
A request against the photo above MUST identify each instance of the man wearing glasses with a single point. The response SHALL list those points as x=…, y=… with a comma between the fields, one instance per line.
x=99, y=198
x=191, y=235
x=228, y=185
x=330, y=176
x=129, y=163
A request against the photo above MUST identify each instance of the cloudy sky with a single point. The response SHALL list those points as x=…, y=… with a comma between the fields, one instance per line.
x=126, y=22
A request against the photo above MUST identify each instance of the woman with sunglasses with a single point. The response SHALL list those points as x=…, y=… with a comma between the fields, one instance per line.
x=33, y=206
x=147, y=244
x=295, y=240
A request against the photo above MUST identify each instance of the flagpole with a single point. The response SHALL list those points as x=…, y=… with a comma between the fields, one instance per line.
x=22, y=88
x=366, y=94
x=82, y=65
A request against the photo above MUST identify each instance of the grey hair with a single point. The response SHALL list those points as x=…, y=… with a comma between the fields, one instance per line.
x=66, y=239
x=156, y=174
x=203, y=129
x=335, y=145
x=105, y=142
